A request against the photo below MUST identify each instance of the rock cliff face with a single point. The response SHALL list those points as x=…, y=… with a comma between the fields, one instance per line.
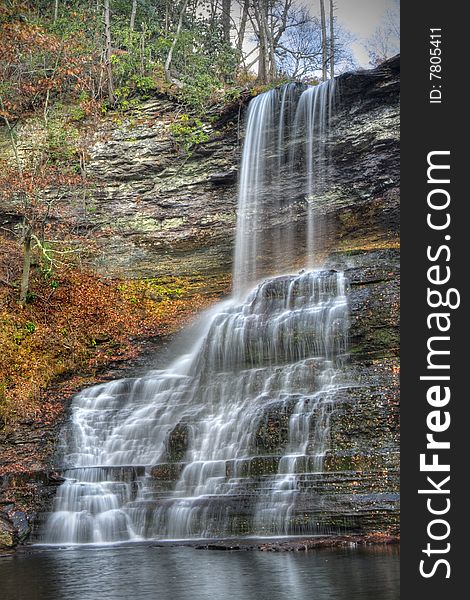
x=177, y=213
x=153, y=209
x=362, y=465
x=171, y=212
x=157, y=211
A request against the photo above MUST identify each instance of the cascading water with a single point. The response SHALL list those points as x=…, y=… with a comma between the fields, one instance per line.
x=285, y=154
x=220, y=443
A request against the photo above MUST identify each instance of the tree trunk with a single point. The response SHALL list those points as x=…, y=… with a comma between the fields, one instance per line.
x=175, y=39
x=324, y=42
x=26, y=265
x=226, y=23
x=262, y=63
x=27, y=229
x=133, y=12
x=142, y=51
x=261, y=16
x=271, y=52
x=167, y=17
x=12, y=138
x=332, y=39
x=107, y=51
x=241, y=33
x=56, y=10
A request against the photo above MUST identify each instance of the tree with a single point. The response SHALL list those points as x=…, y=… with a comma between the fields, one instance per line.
x=332, y=40
x=108, y=51
x=242, y=29
x=261, y=19
x=26, y=226
x=169, y=57
x=300, y=51
x=324, y=42
x=133, y=13
x=226, y=19
x=35, y=67
x=27, y=188
x=385, y=41
x=269, y=20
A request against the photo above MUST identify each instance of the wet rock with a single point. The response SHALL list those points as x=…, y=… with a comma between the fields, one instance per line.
x=167, y=471
x=14, y=527
x=7, y=533
x=177, y=442
x=273, y=430
x=256, y=466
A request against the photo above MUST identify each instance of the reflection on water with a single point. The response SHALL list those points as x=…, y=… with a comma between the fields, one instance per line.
x=179, y=573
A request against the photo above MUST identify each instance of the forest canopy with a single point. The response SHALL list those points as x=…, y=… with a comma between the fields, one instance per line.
x=116, y=49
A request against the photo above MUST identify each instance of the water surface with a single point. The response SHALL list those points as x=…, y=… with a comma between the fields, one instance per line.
x=182, y=573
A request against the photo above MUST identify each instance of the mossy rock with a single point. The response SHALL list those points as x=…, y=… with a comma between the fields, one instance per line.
x=177, y=442
x=273, y=431
x=8, y=538
x=167, y=471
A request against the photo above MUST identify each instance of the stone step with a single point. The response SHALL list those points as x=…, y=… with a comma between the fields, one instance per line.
x=256, y=466
x=117, y=473
x=311, y=513
x=243, y=504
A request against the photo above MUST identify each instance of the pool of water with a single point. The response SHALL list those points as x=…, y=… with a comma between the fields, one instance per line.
x=182, y=573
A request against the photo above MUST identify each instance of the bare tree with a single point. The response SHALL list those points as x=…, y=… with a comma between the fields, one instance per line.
x=226, y=19
x=279, y=21
x=324, y=41
x=260, y=15
x=169, y=57
x=332, y=39
x=242, y=29
x=108, y=51
x=269, y=19
x=300, y=50
x=385, y=41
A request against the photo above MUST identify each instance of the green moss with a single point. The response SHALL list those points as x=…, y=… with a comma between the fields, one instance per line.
x=143, y=223
x=6, y=539
x=377, y=343
x=188, y=133
x=360, y=463
x=157, y=288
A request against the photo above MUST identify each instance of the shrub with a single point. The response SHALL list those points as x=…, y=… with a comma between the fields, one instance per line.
x=188, y=132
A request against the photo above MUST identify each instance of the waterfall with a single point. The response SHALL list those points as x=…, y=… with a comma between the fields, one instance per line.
x=285, y=149
x=226, y=439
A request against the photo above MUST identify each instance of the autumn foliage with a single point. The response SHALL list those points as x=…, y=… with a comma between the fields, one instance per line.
x=60, y=321
x=75, y=325
x=38, y=66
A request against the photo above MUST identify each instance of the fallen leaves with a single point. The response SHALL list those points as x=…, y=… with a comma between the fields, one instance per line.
x=77, y=328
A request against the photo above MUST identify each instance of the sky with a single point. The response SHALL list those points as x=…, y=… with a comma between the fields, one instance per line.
x=361, y=18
